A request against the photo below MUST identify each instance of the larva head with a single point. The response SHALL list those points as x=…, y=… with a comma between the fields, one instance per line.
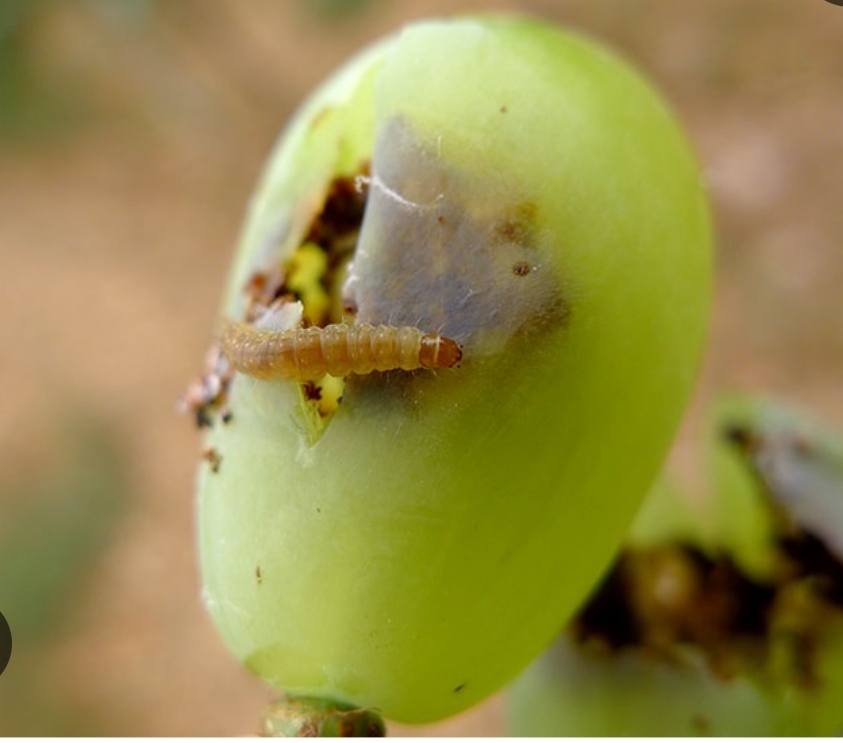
x=437, y=352
x=522, y=192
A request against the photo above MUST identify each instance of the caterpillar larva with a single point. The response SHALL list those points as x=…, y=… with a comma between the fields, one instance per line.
x=302, y=354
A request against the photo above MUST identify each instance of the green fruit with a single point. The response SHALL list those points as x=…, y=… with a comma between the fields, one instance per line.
x=391, y=543
x=722, y=617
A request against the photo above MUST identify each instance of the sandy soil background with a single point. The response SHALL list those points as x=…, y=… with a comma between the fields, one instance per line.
x=132, y=133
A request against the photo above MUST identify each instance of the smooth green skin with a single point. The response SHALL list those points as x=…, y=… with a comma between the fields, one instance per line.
x=406, y=556
x=568, y=693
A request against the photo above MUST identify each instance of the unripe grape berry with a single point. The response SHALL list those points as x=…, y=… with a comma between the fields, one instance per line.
x=389, y=539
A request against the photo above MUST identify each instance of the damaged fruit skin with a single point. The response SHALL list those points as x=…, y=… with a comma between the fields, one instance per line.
x=532, y=199
x=779, y=669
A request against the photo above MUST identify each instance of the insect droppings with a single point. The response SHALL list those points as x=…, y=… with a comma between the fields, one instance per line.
x=212, y=457
x=338, y=349
x=207, y=395
x=521, y=268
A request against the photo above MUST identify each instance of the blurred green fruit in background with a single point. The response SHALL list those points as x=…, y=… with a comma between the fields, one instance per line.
x=722, y=617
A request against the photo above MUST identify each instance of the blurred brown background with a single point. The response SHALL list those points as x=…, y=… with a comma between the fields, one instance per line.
x=131, y=133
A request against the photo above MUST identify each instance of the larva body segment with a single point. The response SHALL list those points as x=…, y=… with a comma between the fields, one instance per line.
x=302, y=354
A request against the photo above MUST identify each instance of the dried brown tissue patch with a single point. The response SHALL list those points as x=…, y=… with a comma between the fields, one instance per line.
x=518, y=228
x=521, y=268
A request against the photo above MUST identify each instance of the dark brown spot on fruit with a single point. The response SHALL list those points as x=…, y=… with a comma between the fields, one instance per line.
x=212, y=457
x=521, y=268
x=312, y=391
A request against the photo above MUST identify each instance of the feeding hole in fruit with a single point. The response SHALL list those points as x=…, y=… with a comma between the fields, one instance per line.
x=448, y=267
x=300, y=327
x=659, y=599
x=312, y=276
